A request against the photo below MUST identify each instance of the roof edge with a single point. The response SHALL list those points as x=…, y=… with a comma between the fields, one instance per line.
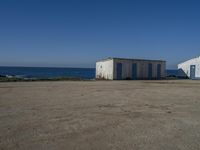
x=117, y=58
x=189, y=60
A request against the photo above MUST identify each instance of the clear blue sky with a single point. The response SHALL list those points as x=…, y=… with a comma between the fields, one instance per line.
x=76, y=33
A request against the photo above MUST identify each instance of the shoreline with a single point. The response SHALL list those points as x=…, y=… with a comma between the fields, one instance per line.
x=15, y=79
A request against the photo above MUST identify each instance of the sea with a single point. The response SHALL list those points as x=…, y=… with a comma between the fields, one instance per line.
x=47, y=72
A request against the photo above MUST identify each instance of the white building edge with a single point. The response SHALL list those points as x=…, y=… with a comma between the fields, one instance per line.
x=190, y=68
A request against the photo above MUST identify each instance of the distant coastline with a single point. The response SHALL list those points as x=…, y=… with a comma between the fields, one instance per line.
x=15, y=79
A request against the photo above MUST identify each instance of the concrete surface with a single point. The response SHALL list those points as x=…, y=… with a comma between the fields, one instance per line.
x=100, y=115
x=104, y=69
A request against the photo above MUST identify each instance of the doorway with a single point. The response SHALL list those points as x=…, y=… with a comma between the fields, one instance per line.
x=134, y=71
x=119, y=71
x=192, y=71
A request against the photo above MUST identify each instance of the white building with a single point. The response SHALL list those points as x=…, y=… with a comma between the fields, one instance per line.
x=120, y=68
x=191, y=68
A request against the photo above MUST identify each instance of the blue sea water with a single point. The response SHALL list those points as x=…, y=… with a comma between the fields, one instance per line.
x=45, y=72
x=172, y=72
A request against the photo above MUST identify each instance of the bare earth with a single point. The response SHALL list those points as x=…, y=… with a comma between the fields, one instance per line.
x=100, y=115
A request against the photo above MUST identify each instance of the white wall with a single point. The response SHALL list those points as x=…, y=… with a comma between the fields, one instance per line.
x=104, y=69
x=185, y=66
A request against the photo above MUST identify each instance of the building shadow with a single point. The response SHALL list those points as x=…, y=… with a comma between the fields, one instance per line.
x=181, y=74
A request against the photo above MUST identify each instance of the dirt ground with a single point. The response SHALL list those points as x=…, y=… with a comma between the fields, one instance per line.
x=100, y=115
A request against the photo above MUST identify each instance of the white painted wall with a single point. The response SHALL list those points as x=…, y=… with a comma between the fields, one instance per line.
x=185, y=66
x=104, y=69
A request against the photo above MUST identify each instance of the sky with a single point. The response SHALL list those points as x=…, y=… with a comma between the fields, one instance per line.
x=77, y=33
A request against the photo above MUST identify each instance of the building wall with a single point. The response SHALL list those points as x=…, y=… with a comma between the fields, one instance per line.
x=185, y=67
x=142, y=68
x=104, y=69
x=107, y=69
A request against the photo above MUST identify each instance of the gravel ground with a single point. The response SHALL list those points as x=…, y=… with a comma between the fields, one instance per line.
x=100, y=115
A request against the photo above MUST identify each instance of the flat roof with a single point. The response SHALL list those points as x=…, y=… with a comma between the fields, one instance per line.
x=112, y=58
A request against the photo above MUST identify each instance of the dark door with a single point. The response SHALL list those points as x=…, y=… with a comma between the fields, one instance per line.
x=150, y=71
x=159, y=71
x=119, y=71
x=134, y=71
x=192, y=71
